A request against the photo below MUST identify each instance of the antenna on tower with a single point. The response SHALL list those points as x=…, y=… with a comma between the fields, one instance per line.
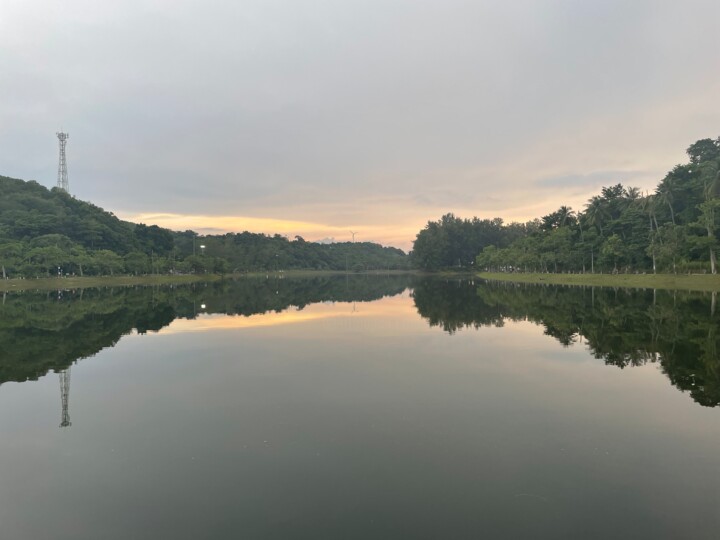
x=62, y=180
x=65, y=397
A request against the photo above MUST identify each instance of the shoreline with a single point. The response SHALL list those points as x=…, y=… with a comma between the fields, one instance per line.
x=692, y=282
x=88, y=282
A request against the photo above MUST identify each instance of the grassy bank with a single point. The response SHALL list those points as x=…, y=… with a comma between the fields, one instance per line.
x=53, y=283
x=693, y=282
x=104, y=281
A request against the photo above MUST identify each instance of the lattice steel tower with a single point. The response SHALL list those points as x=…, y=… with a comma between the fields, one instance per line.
x=65, y=397
x=62, y=181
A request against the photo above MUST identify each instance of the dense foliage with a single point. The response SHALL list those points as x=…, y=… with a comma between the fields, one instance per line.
x=46, y=232
x=454, y=242
x=620, y=230
x=249, y=251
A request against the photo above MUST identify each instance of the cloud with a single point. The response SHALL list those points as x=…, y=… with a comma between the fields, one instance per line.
x=593, y=180
x=381, y=114
x=205, y=224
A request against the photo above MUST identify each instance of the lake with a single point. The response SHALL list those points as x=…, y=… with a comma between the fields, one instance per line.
x=359, y=407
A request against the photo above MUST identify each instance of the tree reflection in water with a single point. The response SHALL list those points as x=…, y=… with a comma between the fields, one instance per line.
x=44, y=331
x=623, y=327
x=40, y=332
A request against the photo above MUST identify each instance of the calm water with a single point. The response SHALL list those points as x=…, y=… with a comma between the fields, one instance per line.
x=360, y=407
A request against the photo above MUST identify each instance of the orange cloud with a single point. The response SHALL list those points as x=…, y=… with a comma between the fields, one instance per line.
x=401, y=236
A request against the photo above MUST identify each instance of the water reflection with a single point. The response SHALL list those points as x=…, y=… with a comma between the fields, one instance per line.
x=65, y=398
x=207, y=321
x=40, y=332
x=622, y=327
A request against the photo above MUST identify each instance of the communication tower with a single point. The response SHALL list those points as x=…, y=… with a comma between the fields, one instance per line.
x=62, y=181
x=65, y=397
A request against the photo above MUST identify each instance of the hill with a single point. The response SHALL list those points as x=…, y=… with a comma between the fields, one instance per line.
x=45, y=232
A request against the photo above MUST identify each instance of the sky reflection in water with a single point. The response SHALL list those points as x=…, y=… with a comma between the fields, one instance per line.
x=356, y=420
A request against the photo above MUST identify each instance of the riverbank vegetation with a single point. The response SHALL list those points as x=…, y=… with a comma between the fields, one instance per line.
x=620, y=230
x=688, y=282
x=124, y=280
x=86, y=282
x=45, y=233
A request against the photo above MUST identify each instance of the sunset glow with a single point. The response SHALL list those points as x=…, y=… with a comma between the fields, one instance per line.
x=387, y=307
x=398, y=236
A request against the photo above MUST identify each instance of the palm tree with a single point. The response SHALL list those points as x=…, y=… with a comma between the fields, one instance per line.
x=667, y=198
x=710, y=173
x=668, y=190
x=711, y=177
x=632, y=193
x=648, y=204
x=596, y=212
x=565, y=213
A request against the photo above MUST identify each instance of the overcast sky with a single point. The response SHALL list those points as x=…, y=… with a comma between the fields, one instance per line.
x=320, y=117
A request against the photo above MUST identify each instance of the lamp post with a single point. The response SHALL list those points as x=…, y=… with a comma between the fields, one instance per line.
x=202, y=254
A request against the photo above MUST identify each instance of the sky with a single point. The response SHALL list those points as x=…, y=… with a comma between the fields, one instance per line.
x=317, y=118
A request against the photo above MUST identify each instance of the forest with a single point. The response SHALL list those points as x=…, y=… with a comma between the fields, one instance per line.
x=48, y=233
x=674, y=229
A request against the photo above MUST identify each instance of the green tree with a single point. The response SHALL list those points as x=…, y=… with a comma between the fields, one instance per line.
x=199, y=264
x=108, y=262
x=671, y=245
x=136, y=263
x=613, y=251
x=11, y=257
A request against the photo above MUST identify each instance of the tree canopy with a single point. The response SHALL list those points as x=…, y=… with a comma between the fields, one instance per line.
x=673, y=229
x=48, y=232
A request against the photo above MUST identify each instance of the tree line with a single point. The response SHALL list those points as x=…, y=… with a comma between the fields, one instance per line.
x=674, y=229
x=48, y=233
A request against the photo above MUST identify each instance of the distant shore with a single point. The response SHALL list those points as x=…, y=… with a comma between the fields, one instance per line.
x=77, y=282
x=692, y=282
